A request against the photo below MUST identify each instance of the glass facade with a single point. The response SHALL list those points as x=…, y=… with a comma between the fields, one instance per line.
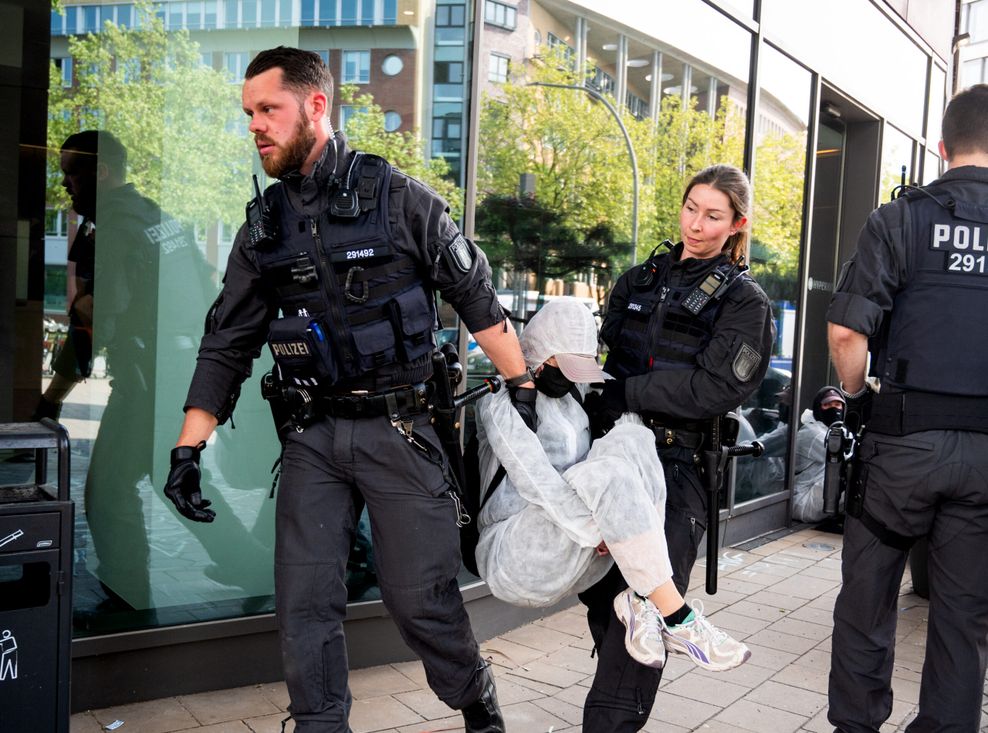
x=124, y=295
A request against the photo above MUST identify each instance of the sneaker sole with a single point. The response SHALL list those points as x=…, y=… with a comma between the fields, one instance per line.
x=627, y=617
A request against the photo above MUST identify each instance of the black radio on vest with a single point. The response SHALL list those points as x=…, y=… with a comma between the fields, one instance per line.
x=260, y=233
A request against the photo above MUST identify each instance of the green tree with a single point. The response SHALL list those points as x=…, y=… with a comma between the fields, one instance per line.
x=179, y=120
x=365, y=131
x=578, y=156
x=777, y=217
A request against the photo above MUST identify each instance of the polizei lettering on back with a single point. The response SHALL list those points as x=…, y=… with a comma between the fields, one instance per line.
x=965, y=246
x=290, y=348
x=959, y=237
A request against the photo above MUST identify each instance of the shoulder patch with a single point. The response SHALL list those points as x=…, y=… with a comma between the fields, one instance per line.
x=745, y=363
x=460, y=254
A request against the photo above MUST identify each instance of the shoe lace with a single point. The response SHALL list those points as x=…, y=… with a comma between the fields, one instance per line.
x=704, y=625
x=652, y=618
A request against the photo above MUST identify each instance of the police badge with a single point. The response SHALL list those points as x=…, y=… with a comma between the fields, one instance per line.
x=459, y=253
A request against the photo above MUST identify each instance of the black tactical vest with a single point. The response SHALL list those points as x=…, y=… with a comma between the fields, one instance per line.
x=656, y=331
x=937, y=337
x=352, y=302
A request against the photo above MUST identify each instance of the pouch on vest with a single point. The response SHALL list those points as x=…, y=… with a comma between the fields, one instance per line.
x=403, y=334
x=301, y=347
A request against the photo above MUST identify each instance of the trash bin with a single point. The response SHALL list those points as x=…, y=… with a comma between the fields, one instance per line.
x=36, y=587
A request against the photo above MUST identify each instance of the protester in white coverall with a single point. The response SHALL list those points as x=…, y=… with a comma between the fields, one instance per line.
x=811, y=454
x=566, y=510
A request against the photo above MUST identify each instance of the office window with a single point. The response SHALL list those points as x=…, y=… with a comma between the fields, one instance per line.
x=324, y=55
x=175, y=16
x=392, y=121
x=356, y=67
x=236, y=64
x=249, y=14
x=57, y=23
x=349, y=15
x=392, y=65
x=976, y=20
x=90, y=18
x=450, y=22
x=267, y=13
x=193, y=15
x=230, y=15
x=71, y=20
x=449, y=72
x=209, y=14
x=285, y=13
x=390, y=12
x=498, y=69
x=450, y=16
x=500, y=14
x=125, y=15
x=64, y=65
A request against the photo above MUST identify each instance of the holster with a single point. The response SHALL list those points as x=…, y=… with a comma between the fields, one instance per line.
x=290, y=407
x=857, y=475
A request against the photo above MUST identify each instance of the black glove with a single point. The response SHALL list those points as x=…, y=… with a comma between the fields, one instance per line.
x=604, y=408
x=523, y=398
x=857, y=408
x=182, y=486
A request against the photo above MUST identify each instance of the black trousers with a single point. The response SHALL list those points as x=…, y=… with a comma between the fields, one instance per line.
x=328, y=472
x=931, y=483
x=623, y=691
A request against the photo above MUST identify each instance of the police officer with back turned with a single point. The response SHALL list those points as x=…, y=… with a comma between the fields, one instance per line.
x=336, y=270
x=915, y=295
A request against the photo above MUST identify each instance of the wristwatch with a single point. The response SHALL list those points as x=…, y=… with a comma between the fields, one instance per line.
x=514, y=382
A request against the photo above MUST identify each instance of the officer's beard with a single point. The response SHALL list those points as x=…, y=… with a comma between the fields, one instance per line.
x=292, y=156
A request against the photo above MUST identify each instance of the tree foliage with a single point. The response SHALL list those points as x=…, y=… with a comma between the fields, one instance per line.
x=575, y=149
x=365, y=131
x=777, y=219
x=179, y=120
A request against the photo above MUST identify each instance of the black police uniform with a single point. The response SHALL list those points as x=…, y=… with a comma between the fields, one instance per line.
x=356, y=454
x=679, y=369
x=918, y=288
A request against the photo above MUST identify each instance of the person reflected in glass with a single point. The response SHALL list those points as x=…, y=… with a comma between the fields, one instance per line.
x=690, y=335
x=562, y=512
x=78, y=162
x=144, y=259
x=811, y=454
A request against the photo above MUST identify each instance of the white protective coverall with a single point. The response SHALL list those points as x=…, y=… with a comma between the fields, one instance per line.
x=810, y=457
x=561, y=497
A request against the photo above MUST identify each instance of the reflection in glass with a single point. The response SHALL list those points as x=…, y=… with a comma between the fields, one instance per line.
x=149, y=284
x=780, y=170
x=897, y=162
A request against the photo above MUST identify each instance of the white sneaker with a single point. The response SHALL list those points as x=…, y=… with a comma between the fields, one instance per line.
x=701, y=641
x=643, y=624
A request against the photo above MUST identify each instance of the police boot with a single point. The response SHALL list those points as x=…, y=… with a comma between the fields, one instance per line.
x=483, y=715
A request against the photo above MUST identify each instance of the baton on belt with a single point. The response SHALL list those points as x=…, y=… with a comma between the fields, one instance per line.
x=715, y=460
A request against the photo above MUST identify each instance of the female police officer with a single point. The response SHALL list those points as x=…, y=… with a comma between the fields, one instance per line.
x=690, y=335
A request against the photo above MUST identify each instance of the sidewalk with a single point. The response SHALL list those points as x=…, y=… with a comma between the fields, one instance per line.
x=778, y=597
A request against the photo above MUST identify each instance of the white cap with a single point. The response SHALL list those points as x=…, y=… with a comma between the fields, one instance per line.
x=564, y=328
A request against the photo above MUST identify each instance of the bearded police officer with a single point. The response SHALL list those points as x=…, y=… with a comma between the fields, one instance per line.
x=349, y=252
x=915, y=295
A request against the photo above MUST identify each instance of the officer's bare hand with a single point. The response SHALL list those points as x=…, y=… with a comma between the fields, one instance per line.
x=183, y=487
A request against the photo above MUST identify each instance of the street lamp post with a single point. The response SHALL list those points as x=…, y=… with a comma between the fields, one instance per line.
x=631, y=154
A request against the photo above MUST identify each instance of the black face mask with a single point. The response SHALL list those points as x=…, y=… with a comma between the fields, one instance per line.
x=551, y=382
x=830, y=415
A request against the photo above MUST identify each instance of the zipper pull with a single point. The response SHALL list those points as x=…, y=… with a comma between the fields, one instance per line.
x=314, y=224
x=663, y=293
